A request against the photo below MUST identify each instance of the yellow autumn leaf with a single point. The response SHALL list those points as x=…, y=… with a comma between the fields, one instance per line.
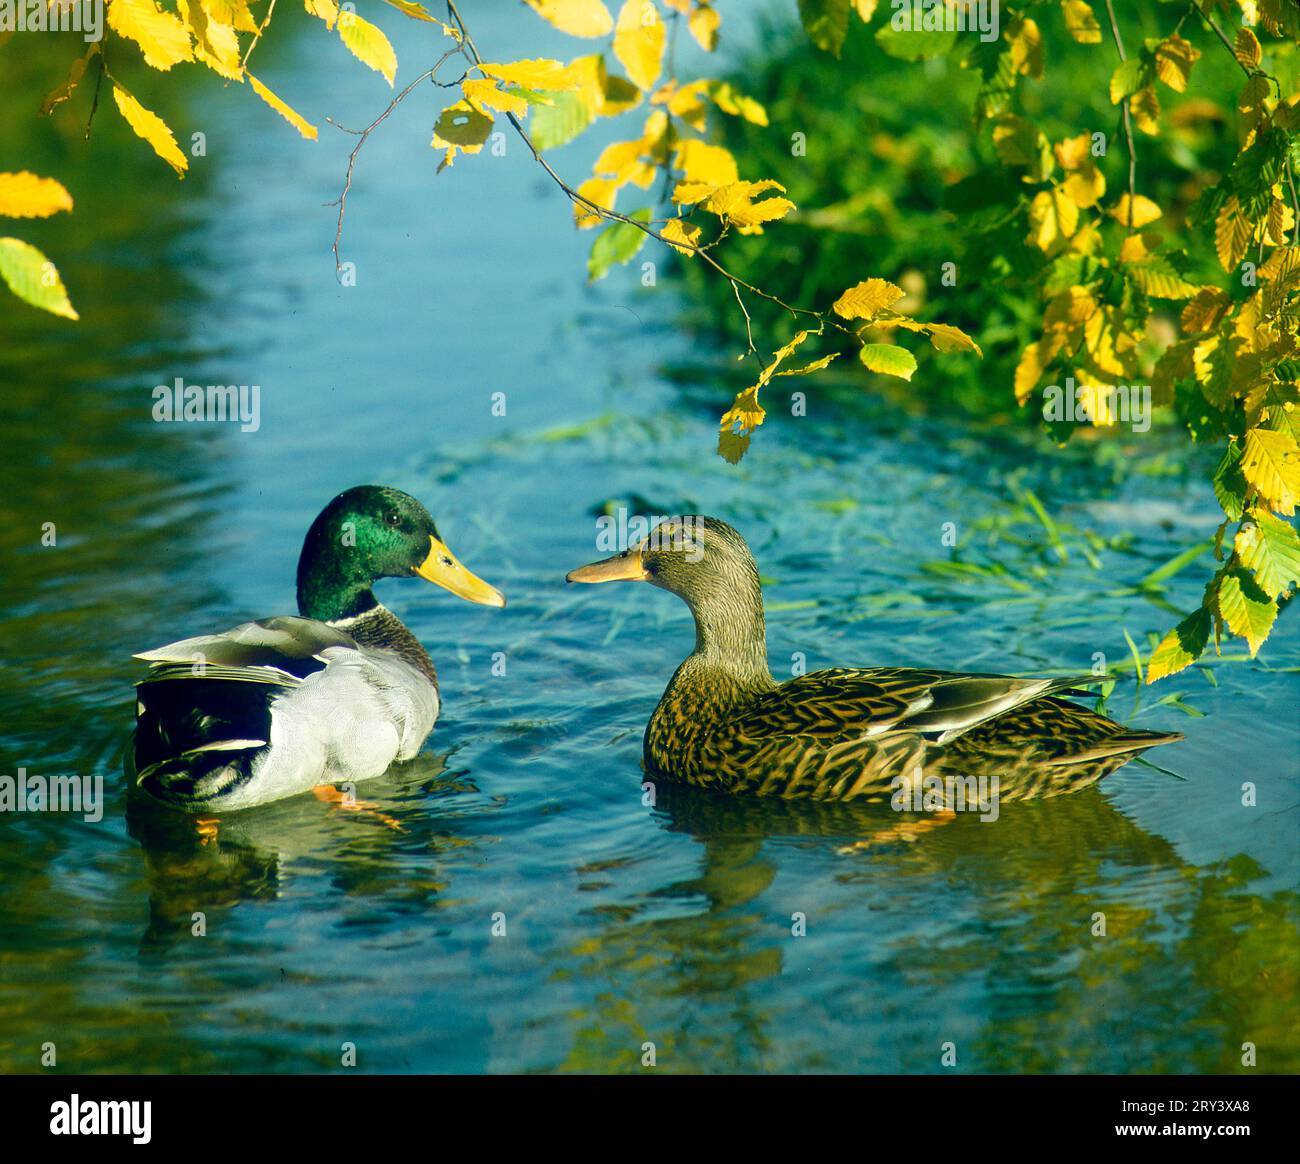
x=735, y=204
x=421, y=13
x=1204, y=311
x=460, y=129
x=601, y=191
x=483, y=93
x=1181, y=647
x=1081, y=21
x=676, y=231
x=1246, y=608
x=639, y=39
x=1029, y=372
x=703, y=23
x=542, y=73
x=576, y=17
x=326, y=10
x=163, y=39
x=1247, y=50
x=1271, y=463
x=1085, y=187
x=704, y=167
x=300, y=123
x=946, y=338
x=1174, y=60
x=1026, y=43
x=782, y=354
x=1233, y=233
x=368, y=44
x=1133, y=249
x=1283, y=263
x=24, y=195
x=1053, y=216
x=1144, y=211
x=1145, y=107
x=738, y=424
x=726, y=98
x=235, y=13
x=621, y=160
x=1281, y=218
x=152, y=128
x=867, y=299
x=216, y=44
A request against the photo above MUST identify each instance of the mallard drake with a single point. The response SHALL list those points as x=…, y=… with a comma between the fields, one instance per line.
x=283, y=705
x=842, y=734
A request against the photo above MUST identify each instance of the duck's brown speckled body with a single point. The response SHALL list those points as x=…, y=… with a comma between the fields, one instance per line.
x=843, y=734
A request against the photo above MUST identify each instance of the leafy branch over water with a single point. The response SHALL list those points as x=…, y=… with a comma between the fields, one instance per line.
x=1101, y=267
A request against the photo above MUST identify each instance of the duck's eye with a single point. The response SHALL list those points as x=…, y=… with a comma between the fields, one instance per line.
x=394, y=519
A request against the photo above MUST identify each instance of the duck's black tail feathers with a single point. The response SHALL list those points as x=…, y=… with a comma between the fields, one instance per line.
x=197, y=740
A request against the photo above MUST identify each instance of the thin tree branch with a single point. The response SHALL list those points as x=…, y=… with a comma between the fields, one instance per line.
x=1128, y=118
x=257, y=36
x=342, y=200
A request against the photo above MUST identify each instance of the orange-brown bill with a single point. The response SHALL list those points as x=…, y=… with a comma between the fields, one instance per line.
x=624, y=567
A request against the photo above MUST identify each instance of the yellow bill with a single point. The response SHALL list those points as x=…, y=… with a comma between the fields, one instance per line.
x=442, y=569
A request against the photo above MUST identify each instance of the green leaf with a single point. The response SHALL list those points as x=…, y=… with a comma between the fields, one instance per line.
x=33, y=278
x=617, y=244
x=889, y=359
x=826, y=22
x=555, y=125
x=1255, y=171
x=1271, y=548
x=1131, y=77
x=1246, y=609
x=1229, y=484
x=1181, y=647
x=915, y=44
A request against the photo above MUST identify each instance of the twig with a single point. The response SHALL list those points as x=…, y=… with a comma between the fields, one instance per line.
x=1128, y=120
x=257, y=36
x=94, y=101
x=342, y=200
x=1295, y=203
x=749, y=331
x=1209, y=20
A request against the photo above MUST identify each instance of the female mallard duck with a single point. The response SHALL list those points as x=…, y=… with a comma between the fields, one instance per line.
x=280, y=706
x=842, y=734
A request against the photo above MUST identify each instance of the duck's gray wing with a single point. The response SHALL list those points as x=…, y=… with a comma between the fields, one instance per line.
x=281, y=651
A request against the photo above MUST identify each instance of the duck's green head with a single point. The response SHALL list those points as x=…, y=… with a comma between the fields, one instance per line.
x=701, y=559
x=372, y=532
